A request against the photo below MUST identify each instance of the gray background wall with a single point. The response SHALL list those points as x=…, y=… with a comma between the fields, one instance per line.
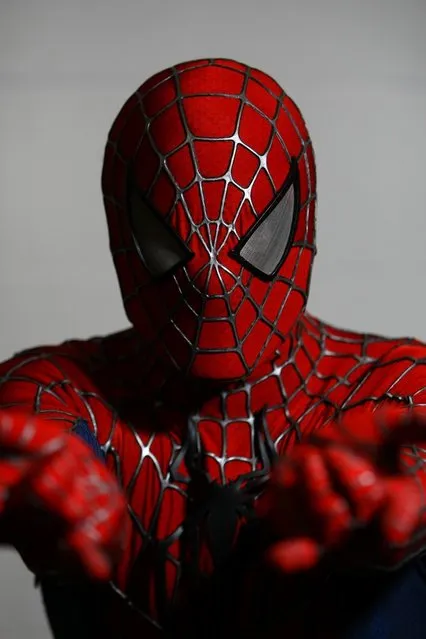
x=358, y=70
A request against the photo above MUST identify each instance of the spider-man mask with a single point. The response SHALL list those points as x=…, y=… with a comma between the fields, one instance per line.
x=209, y=187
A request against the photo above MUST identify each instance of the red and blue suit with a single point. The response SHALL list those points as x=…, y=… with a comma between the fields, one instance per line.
x=230, y=463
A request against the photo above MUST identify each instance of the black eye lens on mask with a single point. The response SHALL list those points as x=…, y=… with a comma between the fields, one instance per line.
x=266, y=245
x=160, y=248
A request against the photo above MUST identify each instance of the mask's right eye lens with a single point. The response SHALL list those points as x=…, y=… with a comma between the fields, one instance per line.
x=160, y=249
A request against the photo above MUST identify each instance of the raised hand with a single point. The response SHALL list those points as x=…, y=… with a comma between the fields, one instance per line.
x=59, y=505
x=349, y=486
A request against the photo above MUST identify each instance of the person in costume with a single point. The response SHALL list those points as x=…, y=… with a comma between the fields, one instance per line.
x=230, y=463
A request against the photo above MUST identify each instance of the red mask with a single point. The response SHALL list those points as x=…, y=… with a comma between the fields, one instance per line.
x=209, y=186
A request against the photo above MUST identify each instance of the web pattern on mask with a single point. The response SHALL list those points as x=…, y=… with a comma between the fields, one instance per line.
x=189, y=288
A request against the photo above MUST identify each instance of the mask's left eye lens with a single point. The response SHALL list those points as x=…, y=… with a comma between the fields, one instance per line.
x=265, y=247
x=161, y=250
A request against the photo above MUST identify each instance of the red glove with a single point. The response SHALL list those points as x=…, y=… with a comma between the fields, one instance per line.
x=59, y=506
x=348, y=487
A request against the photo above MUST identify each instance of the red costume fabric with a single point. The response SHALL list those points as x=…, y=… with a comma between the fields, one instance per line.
x=209, y=187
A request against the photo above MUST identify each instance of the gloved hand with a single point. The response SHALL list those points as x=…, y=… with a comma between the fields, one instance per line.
x=59, y=505
x=348, y=487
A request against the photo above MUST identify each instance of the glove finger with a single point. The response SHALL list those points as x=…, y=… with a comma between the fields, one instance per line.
x=294, y=555
x=13, y=475
x=54, y=486
x=357, y=480
x=401, y=510
x=29, y=434
x=330, y=510
x=94, y=559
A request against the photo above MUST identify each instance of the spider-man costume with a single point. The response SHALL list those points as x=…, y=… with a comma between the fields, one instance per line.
x=251, y=440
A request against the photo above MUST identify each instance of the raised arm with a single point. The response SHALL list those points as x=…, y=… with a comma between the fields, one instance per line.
x=60, y=506
x=360, y=483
